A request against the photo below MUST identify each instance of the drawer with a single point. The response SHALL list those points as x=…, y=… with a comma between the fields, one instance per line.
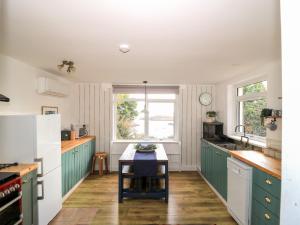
x=263, y=215
x=255, y=220
x=267, y=182
x=266, y=199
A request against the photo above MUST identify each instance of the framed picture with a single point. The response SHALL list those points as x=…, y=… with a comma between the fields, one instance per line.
x=47, y=110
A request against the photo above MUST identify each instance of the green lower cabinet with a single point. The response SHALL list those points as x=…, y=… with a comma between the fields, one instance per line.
x=76, y=163
x=29, y=199
x=265, y=199
x=214, y=167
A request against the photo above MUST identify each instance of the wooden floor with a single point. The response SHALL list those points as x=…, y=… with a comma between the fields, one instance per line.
x=191, y=202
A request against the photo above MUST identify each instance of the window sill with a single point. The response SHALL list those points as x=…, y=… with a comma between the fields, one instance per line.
x=146, y=141
x=252, y=142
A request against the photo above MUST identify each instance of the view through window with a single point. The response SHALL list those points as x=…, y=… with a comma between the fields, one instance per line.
x=251, y=99
x=137, y=119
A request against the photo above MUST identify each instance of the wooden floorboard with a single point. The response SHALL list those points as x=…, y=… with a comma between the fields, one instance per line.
x=191, y=201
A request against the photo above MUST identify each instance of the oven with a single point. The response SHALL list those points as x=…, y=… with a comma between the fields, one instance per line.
x=10, y=199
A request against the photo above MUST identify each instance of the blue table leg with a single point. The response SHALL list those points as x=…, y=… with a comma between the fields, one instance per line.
x=166, y=182
x=120, y=183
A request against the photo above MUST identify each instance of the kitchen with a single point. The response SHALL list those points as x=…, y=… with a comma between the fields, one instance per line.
x=185, y=126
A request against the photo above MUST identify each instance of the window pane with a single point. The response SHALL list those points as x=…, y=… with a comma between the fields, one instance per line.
x=161, y=120
x=253, y=88
x=129, y=118
x=249, y=116
x=162, y=96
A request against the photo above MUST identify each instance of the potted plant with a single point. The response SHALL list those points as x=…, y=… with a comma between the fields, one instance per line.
x=211, y=116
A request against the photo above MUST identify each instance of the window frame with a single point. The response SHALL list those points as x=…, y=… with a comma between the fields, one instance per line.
x=146, y=121
x=248, y=97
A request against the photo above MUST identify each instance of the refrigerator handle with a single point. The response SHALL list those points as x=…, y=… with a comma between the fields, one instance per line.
x=41, y=160
x=43, y=192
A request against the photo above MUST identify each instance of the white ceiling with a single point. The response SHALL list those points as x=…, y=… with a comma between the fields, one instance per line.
x=175, y=41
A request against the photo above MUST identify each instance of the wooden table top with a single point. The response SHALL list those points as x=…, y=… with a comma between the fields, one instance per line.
x=128, y=154
x=257, y=159
x=69, y=145
x=21, y=169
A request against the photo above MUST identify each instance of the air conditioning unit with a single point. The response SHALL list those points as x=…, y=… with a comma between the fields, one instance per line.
x=48, y=86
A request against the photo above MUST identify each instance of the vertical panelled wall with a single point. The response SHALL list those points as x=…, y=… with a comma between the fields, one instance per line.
x=93, y=106
x=191, y=116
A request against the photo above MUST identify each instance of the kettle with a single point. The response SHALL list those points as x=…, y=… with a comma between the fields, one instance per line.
x=83, y=131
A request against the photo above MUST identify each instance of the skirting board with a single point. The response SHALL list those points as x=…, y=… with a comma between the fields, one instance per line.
x=213, y=189
x=73, y=188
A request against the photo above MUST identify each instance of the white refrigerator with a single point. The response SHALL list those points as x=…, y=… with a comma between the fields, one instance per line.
x=36, y=138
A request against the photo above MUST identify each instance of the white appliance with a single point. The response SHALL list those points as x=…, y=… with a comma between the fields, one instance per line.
x=239, y=191
x=48, y=86
x=36, y=138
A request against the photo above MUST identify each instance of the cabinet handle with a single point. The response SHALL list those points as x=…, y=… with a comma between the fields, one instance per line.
x=41, y=160
x=268, y=181
x=24, y=181
x=267, y=199
x=43, y=191
x=267, y=216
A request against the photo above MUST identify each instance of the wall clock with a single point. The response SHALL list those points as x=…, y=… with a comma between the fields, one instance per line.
x=205, y=99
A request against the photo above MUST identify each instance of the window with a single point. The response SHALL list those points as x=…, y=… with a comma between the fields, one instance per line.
x=251, y=99
x=140, y=116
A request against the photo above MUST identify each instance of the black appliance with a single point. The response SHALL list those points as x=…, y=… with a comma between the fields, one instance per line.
x=213, y=131
x=65, y=135
x=4, y=98
x=10, y=199
x=5, y=165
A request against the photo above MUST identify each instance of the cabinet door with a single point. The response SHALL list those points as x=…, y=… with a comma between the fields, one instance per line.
x=29, y=198
x=223, y=175
x=202, y=155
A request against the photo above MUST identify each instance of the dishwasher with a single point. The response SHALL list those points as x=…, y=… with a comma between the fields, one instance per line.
x=239, y=191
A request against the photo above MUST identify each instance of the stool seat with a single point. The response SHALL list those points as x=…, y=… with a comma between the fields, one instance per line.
x=102, y=158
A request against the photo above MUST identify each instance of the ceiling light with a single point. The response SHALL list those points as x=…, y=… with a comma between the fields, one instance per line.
x=69, y=64
x=124, y=48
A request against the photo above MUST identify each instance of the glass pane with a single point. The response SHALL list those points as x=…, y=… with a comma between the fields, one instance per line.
x=130, y=119
x=253, y=88
x=161, y=120
x=162, y=96
x=249, y=116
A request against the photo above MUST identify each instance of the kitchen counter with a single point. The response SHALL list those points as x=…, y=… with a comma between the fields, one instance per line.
x=69, y=145
x=257, y=159
x=21, y=169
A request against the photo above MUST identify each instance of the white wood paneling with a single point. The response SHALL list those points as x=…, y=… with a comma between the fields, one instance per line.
x=93, y=107
x=193, y=114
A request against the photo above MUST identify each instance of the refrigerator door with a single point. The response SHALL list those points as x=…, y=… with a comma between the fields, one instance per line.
x=51, y=203
x=17, y=138
x=48, y=149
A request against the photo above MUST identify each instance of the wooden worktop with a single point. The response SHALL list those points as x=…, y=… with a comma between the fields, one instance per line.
x=68, y=145
x=21, y=169
x=257, y=159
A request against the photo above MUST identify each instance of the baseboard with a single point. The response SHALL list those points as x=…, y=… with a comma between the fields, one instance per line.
x=212, y=188
x=188, y=168
x=73, y=188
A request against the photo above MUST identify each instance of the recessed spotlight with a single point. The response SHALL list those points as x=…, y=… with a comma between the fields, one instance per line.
x=124, y=48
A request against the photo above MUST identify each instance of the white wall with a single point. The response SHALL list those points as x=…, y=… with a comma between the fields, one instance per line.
x=224, y=101
x=290, y=188
x=93, y=106
x=18, y=81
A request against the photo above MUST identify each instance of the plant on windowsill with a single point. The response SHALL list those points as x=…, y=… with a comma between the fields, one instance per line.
x=211, y=116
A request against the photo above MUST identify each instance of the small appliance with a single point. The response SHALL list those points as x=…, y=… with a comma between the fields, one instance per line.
x=65, y=135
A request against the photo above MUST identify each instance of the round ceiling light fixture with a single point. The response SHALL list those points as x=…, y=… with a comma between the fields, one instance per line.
x=124, y=48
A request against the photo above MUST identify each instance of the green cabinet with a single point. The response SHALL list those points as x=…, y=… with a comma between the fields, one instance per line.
x=265, y=198
x=29, y=198
x=214, y=167
x=76, y=163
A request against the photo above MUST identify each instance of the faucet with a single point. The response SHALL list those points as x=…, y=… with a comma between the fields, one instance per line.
x=244, y=135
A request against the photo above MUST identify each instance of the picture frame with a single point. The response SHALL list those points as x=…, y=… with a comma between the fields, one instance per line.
x=48, y=110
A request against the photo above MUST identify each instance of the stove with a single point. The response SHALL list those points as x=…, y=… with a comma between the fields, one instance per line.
x=10, y=199
x=5, y=165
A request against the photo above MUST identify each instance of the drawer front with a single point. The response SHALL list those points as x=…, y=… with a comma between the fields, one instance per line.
x=266, y=199
x=267, y=182
x=255, y=220
x=263, y=215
